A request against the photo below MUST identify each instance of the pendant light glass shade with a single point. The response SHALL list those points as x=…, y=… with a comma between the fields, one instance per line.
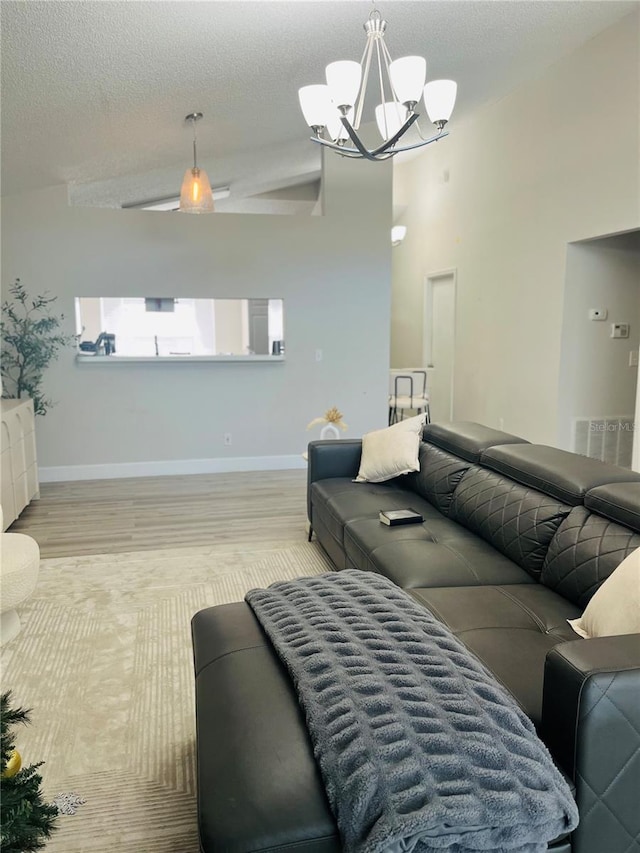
x=343, y=80
x=440, y=99
x=195, y=194
x=408, y=76
x=316, y=106
x=390, y=117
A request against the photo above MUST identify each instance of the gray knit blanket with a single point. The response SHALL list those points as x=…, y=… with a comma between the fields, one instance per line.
x=418, y=745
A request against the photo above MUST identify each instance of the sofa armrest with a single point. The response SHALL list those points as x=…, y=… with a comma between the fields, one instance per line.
x=337, y=458
x=591, y=724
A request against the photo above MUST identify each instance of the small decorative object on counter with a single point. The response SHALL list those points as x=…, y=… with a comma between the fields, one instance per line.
x=332, y=419
x=104, y=345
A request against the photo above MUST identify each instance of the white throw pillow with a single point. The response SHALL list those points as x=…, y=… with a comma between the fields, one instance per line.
x=390, y=452
x=615, y=608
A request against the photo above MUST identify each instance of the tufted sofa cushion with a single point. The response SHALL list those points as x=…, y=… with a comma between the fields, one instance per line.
x=518, y=521
x=584, y=552
x=438, y=477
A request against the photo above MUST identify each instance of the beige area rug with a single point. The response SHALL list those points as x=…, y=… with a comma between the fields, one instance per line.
x=104, y=660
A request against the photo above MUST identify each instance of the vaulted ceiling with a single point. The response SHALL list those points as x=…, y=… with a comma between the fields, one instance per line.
x=94, y=93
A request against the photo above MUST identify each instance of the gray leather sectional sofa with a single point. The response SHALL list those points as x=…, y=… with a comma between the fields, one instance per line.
x=516, y=539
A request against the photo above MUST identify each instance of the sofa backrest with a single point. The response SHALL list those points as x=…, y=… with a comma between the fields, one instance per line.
x=566, y=519
x=446, y=454
x=438, y=477
x=467, y=439
x=518, y=521
x=587, y=546
x=564, y=475
x=593, y=540
x=518, y=496
x=619, y=502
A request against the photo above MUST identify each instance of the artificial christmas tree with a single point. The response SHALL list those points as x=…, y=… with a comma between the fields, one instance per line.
x=25, y=819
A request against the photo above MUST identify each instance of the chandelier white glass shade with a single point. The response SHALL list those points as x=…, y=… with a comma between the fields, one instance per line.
x=333, y=110
x=440, y=99
x=389, y=118
x=408, y=76
x=343, y=82
x=195, y=194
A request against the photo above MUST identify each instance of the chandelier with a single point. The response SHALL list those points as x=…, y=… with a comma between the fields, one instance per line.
x=334, y=111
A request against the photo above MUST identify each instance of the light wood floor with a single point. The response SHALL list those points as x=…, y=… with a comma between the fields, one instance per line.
x=146, y=513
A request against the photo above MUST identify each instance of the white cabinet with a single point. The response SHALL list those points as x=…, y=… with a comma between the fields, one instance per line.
x=18, y=463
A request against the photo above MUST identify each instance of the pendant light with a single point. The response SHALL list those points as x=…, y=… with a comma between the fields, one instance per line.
x=195, y=195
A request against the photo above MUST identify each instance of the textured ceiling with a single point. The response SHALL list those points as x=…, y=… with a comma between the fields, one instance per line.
x=94, y=93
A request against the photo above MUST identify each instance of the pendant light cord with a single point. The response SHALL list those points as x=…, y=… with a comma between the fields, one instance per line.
x=195, y=164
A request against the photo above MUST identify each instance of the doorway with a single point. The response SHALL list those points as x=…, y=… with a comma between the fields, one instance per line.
x=259, y=326
x=598, y=376
x=438, y=337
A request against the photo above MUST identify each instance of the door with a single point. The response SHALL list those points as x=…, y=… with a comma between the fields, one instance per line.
x=259, y=326
x=439, y=331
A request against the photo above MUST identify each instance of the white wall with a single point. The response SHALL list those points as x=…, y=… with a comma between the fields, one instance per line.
x=554, y=162
x=595, y=377
x=333, y=272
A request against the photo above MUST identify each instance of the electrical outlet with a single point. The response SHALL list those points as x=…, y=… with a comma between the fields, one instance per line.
x=633, y=358
x=227, y=439
x=318, y=355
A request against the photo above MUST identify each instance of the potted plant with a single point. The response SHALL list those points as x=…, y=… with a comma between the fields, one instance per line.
x=332, y=420
x=31, y=340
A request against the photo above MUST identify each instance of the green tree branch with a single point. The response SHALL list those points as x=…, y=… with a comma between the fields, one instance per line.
x=25, y=819
x=31, y=340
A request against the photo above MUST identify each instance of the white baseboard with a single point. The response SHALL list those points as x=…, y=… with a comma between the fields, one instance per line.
x=116, y=470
